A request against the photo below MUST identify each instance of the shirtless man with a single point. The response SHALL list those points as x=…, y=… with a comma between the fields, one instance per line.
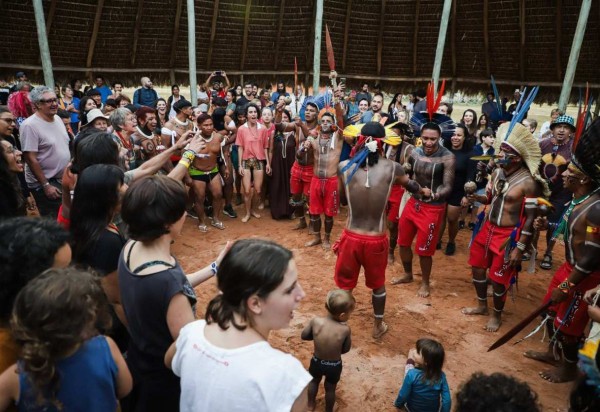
x=204, y=172
x=364, y=241
x=332, y=338
x=433, y=171
x=144, y=138
x=400, y=155
x=177, y=126
x=580, y=272
x=303, y=168
x=512, y=195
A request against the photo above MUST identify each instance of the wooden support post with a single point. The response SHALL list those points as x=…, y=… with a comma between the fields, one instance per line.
x=192, y=51
x=317, y=47
x=279, y=31
x=178, y=9
x=565, y=93
x=522, y=44
x=558, y=42
x=346, y=32
x=486, y=37
x=416, y=36
x=92, y=46
x=453, y=49
x=380, y=37
x=40, y=23
x=245, y=39
x=213, y=33
x=136, y=30
x=310, y=41
x=50, y=18
x=439, y=51
x=172, y=76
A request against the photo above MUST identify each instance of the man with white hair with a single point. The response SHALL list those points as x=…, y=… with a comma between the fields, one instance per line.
x=45, y=145
x=145, y=95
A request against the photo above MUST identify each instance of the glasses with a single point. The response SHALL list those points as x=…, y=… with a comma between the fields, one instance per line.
x=8, y=120
x=51, y=101
x=10, y=149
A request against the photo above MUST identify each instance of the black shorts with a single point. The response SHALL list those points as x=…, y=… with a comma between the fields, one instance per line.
x=332, y=370
x=202, y=176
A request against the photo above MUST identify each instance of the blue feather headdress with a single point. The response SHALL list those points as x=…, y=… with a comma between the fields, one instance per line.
x=445, y=124
x=522, y=108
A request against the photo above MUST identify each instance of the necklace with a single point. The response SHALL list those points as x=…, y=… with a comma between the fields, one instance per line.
x=140, y=131
x=180, y=123
x=209, y=139
x=126, y=142
x=563, y=227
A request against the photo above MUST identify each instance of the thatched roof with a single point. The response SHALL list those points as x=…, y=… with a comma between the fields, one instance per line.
x=144, y=37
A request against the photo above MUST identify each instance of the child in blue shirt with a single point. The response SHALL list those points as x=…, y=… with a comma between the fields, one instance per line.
x=425, y=388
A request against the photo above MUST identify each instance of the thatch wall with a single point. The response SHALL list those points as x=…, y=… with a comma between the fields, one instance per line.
x=142, y=37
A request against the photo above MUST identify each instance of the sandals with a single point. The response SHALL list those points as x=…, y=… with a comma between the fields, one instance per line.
x=203, y=228
x=546, y=263
x=217, y=224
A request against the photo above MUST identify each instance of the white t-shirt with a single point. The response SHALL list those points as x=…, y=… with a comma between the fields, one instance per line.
x=252, y=378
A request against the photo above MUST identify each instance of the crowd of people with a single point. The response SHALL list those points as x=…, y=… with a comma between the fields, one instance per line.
x=97, y=313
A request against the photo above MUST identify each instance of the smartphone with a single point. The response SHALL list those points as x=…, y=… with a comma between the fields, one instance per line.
x=343, y=80
x=218, y=73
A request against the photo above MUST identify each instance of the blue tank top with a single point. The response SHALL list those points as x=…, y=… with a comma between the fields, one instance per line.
x=87, y=381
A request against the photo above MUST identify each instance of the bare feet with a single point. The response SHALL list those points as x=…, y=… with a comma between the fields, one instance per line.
x=380, y=330
x=301, y=225
x=564, y=372
x=423, y=291
x=391, y=259
x=316, y=241
x=326, y=244
x=407, y=278
x=546, y=357
x=479, y=310
x=245, y=218
x=490, y=291
x=493, y=324
x=254, y=214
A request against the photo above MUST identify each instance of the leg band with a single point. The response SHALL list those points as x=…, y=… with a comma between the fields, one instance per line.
x=381, y=295
x=479, y=280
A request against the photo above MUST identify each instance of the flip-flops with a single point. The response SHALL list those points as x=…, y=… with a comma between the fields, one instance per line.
x=218, y=225
x=546, y=263
x=203, y=228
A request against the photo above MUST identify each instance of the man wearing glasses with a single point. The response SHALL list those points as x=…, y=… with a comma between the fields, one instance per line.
x=45, y=145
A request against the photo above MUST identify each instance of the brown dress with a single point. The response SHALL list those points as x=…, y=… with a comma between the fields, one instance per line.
x=284, y=154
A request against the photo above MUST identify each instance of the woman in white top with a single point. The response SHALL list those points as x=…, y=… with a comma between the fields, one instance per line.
x=225, y=361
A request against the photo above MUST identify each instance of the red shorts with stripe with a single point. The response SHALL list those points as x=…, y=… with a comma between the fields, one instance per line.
x=393, y=206
x=577, y=318
x=324, y=196
x=355, y=250
x=485, y=252
x=424, y=221
x=300, y=179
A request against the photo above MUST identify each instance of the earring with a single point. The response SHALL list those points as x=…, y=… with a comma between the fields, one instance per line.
x=581, y=181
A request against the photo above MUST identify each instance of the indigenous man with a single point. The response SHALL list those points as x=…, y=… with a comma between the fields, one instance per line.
x=327, y=147
x=145, y=140
x=433, y=172
x=580, y=228
x=400, y=155
x=367, y=175
x=204, y=172
x=508, y=228
x=303, y=168
x=177, y=126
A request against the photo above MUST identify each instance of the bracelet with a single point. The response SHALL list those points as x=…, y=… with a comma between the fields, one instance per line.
x=521, y=246
x=185, y=162
x=46, y=184
x=214, y=267
x=189, y=155
x=526, y=233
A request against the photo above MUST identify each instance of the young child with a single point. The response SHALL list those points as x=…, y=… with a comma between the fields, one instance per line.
x=332, y=338
x=425, y=388
x=62, y=365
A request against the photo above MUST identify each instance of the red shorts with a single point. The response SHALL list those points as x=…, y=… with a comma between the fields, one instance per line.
x=353, y=251
x=324, y=196
x=64, y=222
x=425, y=221
x=300, y=179
x=393, y=205
x=577, y=318
x=491, y=256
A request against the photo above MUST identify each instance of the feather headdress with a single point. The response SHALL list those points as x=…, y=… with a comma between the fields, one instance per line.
x=522, y=108
x=586, y=155
x=442, y=122
x=583, y=115
x=370, y=140
x=391, y=137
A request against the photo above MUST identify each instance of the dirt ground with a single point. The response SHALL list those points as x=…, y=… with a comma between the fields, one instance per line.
x=373, y=370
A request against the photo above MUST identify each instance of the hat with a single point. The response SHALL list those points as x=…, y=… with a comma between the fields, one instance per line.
x=181, y=104
x=564, y=119
x=431, y=117
x=20, y=74
x=93, y=115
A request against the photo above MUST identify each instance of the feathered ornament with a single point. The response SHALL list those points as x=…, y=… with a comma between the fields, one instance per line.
x=497, y=96
x=433, y=101
x=583, y=115
x=443, y=122
x=522, y=108
x=370, y=140
x=586, y=154
x=391, y=137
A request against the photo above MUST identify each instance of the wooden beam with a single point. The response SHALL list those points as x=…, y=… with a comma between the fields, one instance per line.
x=346, y=32
x=416, y=36
x=92, y=46
x=522, y=44
x=558, y=40
x=486, y=37
x=380, y=37
x=213, y=32
x=175, y=33
x=439, y=50
x=453, y=45
x=40, y=24
x=279, y=31
x=50, y=18
x=245, y=38
x=136, y=30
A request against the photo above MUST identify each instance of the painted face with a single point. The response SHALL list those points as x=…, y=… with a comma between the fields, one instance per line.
x=161, y=106
x=468, y=118
x=48, y=105
x=100, y=124
x=326, y=123
x=507, y=156
x=7, y=124
x=430, y=140
x=277, y=309
x=376, y=104
x=267, y=116
x=90, y=104
x=151, y=121
x=458, y=138
x=571, y=177
x=363, y=106
x=12, y=155
x=310, y=114
x=207, y=127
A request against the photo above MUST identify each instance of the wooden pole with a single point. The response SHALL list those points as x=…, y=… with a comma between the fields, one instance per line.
x=213, y=33
x=192, y=51
x=380, y=37
x=136, y=30
x=310, y=41
x=486, y=37
x=178, y=10
x=558, y=42
x=522, y=44
x=416, y=36
x=92, y=46
x=439, y=52
x=453, y=50
x=40, y=23
x=279, y=31
x=565, y=93
x=317, y=49
x=346, y=33
x=245, y=39
x=50, y=18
